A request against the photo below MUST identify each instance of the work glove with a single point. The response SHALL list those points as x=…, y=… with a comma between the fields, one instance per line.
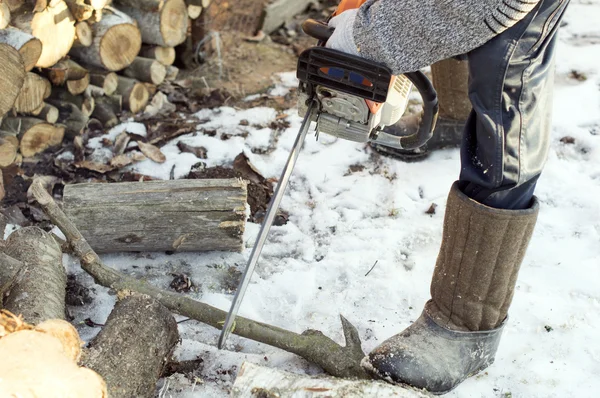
x=342, y=38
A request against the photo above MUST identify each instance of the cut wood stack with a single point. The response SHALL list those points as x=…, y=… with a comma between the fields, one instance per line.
x=65, y=62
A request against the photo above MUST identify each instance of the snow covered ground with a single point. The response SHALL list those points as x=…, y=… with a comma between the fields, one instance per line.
x=343, y=221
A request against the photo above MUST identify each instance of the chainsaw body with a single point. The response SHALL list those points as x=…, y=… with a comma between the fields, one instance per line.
x=356, y=98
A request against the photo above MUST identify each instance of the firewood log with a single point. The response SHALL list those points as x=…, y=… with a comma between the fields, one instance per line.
x=54, y=26
x=105, y=111
x=83, y=35
x=99, y=4
x=146, y=70
x=108, y=81
x=70, y=116
x=84, y=102
x=201, y=215
x=39, y=295
x=48, y=113
x=116, y=42
x=133, y=347
x=4, y=15
x=64, y=71
x=163, y=23
x=80, y=10
x=194, y=11
x=135, y=95
x=28, y=46
x=35, y=135
x=164, y=55
x=8, y=150
x=12, y=76
x=32, y=93
x=172, y=72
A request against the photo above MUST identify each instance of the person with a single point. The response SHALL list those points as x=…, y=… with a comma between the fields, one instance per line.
x=491, y=209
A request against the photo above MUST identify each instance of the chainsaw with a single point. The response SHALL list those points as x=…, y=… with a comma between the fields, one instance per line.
x=348, y=97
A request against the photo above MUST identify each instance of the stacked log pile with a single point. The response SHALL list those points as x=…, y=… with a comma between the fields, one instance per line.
x=68, y=62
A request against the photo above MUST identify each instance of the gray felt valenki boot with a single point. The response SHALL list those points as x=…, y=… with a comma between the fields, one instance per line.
x=458, y=333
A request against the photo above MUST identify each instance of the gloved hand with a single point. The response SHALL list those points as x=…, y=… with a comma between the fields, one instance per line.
x=342, y=38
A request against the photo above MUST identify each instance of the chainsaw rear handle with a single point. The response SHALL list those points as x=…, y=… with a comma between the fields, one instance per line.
x=317, y=29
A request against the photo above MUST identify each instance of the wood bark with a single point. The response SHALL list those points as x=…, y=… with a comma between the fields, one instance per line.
x=9, y=268
x=258, y=381
x=84, y=102
x=164, y=55
x=4, y=15
x=337, y=360
x=39, y=295
x=64, y=71
x=54, y=26
x=184, y=215
x=107, y=109
x=108, y=81
x=80, y=10
x=133, y=347
x=35, y=135
x=8, y=149
x=164, y=25
x=146, y=70
x=83, y=35
x=71, y=117
x=32, y=93
x=135, y=95
x=451, y=81
x=12, y=76
x=28, y=46
x=172, y=72
x=116, y=42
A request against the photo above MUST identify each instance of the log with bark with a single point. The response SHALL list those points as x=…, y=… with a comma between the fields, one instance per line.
x=85, y=103
x=164, y=55
x=4, y=15
x=183, y=215
x=146, y=70
x=258, y=381
x=337, y=360
x=133, y=347
x=161, y=22
x=107, y=81
x=83, y=35
x=12, y=76
x=9, y=271
x=54, y=26
x=39, y=294
x=35, y=135
x=72, y=118
x=107, y=109
x=116, y=42
x=48, y=113
x=32, y=93
x=28, y=46
x=64, y=71
x=172, y=72
x=9, y=145
x=135, y=95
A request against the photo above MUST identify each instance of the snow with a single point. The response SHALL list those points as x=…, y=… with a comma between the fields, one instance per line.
x=343, y=223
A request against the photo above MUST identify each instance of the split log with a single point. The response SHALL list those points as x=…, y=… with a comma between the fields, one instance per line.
x=107, y=109
x=163, y=23
x=8, y=150
x=54, y=26
x=108, y=81
x=80, y=10
x=133, y=347
x=83, y=35
x=32, y=93
x=187, y=215
x=146, y=70
x=164, y=55
x=194, y=11
x=4, y=15
x=35, y=135
x=48, y=113
x=39, y=294
x=71, y=117
x=172, y=72
x=64, y=71
x=116, y=42
x=28, y=46
x=135, y=95
x=12, y=76
x=337, y=360
x=85, y=103
x=258, y=381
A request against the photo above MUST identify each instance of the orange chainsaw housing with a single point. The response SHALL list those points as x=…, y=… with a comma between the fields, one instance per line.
x=345, y=5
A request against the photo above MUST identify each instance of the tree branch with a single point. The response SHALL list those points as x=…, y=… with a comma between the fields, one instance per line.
x=312, y=345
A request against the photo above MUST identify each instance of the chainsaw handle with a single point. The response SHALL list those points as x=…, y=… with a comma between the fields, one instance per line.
x=431, y=110
x=317, y=29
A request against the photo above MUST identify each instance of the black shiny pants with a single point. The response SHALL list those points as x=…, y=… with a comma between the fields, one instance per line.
x=507, y=136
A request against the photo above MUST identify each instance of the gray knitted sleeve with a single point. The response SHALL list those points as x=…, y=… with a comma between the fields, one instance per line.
x=407, y=35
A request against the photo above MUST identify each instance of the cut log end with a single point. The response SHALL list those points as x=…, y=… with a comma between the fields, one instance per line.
x=164, y=55
x=28, y=46
x=173, y=22
x=194, y=11
x=135, y=94
x=12, y=76
x=40, y=137
x=8, y=150
x=146, y=70
x=84, y=34
x=4, y=15
x=119, y=46
x=77, y=87
x=32, y=94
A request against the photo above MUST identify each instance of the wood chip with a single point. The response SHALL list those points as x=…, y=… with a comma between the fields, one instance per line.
x=152, y=152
